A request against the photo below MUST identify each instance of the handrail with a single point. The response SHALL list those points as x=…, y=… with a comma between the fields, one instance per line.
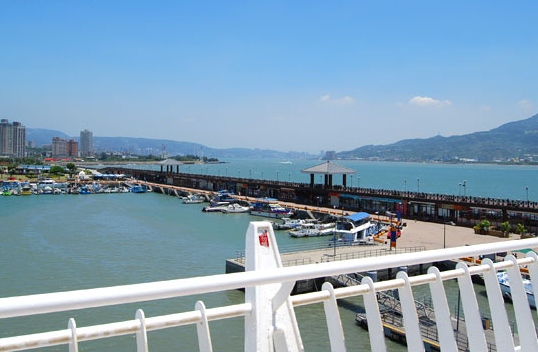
x=269, y=276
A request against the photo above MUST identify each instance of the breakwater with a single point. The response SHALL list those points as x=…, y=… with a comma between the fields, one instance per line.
x=462, y=210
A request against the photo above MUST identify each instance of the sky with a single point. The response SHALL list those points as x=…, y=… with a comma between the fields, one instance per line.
x=284, y=75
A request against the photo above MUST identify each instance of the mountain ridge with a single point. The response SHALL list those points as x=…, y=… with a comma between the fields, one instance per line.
x=516, y=140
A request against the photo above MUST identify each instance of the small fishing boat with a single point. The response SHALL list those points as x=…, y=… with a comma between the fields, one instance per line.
x=502, y=276
x=138, y=189
x=356, y=228
x=215, y=209
x=193, y=199
x=236, y=208
x=270, y=209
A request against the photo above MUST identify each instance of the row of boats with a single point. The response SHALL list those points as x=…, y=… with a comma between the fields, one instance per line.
x=48, y=186
x=354, y=229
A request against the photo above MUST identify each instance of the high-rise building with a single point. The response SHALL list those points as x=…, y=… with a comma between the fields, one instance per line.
x=86, y=143
x=72, y=148
x=12, y=139
x=59, y=147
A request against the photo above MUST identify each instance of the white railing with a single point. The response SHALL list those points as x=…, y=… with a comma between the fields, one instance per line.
x=268, y=310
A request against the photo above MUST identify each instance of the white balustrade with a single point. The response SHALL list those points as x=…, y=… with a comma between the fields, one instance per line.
x=270, y=323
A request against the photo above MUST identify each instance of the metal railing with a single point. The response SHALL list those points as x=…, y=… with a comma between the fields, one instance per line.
x=268, y=310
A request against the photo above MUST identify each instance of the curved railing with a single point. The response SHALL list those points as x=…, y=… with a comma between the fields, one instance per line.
x=268, y=310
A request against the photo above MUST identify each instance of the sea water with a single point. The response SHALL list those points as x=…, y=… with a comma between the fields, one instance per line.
x=516, y=182
x=67, y=242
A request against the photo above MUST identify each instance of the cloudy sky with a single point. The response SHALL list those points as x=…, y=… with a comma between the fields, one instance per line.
x=285, y=75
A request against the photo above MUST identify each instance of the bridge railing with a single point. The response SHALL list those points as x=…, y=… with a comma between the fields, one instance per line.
x=268, y=309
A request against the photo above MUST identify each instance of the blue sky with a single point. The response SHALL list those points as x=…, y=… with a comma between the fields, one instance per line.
x=284, y=75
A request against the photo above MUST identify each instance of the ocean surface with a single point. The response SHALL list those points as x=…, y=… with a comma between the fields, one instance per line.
x=480, y=180
x=67, y=242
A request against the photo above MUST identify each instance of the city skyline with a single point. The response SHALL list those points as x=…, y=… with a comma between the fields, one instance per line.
x=304, y=76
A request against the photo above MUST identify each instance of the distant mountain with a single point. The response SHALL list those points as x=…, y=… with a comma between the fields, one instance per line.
x=146, y=146
x=512, y=141
x=42, y=136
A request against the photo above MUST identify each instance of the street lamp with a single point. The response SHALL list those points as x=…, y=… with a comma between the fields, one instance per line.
x=358, y=182
x=418, y=185
x=351, y=176
x=405, y=185
x=527, y=190
x=459, y=189
x=464, y=185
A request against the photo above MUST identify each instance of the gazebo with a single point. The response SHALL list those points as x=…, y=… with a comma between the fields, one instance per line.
x=328, y=169
x=170, y=163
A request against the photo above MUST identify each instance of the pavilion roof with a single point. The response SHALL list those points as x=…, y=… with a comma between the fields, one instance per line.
x=170, y=162
x=328, y=168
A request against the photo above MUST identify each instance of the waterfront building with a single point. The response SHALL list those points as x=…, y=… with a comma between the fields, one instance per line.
x=59, y=146
x=12, y=139
x=86, y=143
x=72, y=148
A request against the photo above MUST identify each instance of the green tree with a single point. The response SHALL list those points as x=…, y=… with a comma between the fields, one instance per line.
x=56, y=170
x=520, y=229
x=71, y=167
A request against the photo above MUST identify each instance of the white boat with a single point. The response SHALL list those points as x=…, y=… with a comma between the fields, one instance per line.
x=287, y=224
x=502, y=276
x=356, y=228
x=236, y=208
x=270, y=209
x=312, y=230
x=214, y=209
x=193, y=199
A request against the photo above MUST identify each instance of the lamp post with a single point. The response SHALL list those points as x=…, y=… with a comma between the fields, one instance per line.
x=351, y=176
x=418, y=185
x=527, y=190
x=459, y=189
x=277, y=175
x=444, y=231
x=358, y=182
x=405, y=185
x=464, y=187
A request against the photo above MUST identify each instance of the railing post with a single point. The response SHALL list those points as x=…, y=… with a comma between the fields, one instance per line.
x=522, y=310
x=73, y=342
x=375, y=325
x=473, y=321
x=202, y=327
x=272, y=326
x=141, y=334
x=409, y=312
x=334, y=323
x=503, y=333
x=442, y=312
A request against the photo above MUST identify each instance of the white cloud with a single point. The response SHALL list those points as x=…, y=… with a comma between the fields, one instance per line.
x=525, y=104
x=345, y=100
x=427, y=101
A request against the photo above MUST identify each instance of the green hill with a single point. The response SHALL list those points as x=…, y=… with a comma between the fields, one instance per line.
x=514, y=141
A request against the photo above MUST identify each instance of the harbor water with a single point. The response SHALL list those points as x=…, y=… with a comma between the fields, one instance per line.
x=67, y=242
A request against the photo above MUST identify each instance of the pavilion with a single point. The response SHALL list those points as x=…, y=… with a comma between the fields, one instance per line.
x=328, y=169
x=170, y=163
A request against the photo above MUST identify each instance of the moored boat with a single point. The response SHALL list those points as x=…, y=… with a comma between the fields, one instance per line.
x=356, y=228
x=193, y=199
x=502, y=276
x=270, y=208
x=236, y=208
